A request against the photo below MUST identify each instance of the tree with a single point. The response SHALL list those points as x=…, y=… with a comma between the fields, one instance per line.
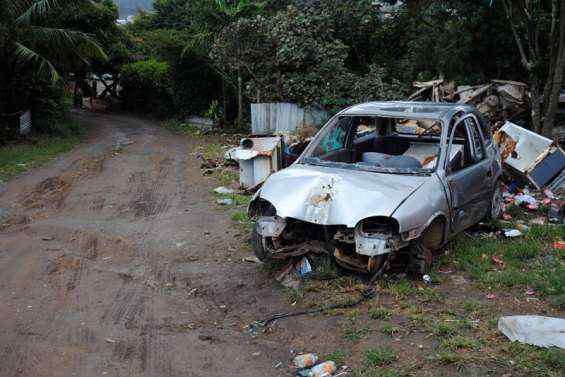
x=528, y=20
x=295, y=56
x=34, y=46
x=34, y=38
x=556, y=66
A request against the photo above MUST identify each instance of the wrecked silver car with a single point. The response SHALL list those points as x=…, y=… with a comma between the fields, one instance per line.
x=379, y=178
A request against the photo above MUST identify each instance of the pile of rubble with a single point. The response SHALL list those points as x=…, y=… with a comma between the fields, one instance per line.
x=499, y=100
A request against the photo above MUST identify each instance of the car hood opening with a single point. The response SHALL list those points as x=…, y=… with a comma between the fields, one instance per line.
x=331, y=196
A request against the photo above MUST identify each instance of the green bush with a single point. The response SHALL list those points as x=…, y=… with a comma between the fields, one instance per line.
x=146, y=85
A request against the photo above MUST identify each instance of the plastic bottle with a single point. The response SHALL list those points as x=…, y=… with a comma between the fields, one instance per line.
x=305, y=361
x=324, y=369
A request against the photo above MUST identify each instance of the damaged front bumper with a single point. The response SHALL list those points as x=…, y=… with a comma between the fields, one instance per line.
x=363, y=248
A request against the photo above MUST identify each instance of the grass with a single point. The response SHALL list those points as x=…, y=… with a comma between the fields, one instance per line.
x=294, y=295
x=401, y=289
x=388, y=329
x=36, y=149
x=242, y=223
x=529, y=262
x=534, y=361
x=353, y=328
x=382, y=373
x=458, y=342
x=449, y=357
x=213, y=151
x=379, y=356
x=180, y=127
x=338, y=356
x=227, y=177
x=379, y=313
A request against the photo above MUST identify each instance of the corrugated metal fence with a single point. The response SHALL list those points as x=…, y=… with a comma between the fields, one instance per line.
x=285, y=118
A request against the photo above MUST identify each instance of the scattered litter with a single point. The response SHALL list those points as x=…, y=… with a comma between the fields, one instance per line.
x=554, y=215
x=511, y=233
x=498, y=261
x=530, y=292
x=224, y=201
x=427, y=279
x=538, y=221
x=559, y=245
x=47, y=238
x=507, y=216
x=110, y=340
x=325, y=369
x=255, y=354
x=534, y=330
x=522, y=198
x=491, y=296
x=224, y=190
x=306, y=360
x=252, y=260
x=304, y=266
x=546, y=201
x=287, y=277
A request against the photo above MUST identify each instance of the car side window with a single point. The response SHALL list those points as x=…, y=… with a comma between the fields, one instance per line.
x=467, y=146
x=477, y=150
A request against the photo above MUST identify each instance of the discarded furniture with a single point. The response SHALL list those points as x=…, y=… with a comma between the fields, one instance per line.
x=533, y=157
x=258, y=157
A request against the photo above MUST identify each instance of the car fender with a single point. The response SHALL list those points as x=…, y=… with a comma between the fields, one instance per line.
x=427, y=204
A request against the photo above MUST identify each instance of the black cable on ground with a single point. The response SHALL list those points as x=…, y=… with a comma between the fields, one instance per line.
x=367, y=293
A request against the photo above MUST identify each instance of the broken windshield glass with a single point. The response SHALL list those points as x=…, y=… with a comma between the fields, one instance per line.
x=374, y=143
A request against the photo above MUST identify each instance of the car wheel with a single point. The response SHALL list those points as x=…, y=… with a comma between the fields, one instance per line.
x=257, y=245
x=495, y=203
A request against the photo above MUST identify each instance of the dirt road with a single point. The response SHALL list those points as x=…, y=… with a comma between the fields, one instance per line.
x=114, y=261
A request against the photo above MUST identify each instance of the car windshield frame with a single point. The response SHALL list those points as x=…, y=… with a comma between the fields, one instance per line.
x=307, y=159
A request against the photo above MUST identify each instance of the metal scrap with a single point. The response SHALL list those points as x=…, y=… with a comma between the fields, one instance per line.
x=496, y=101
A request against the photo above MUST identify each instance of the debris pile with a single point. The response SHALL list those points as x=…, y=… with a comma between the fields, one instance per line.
x=522, y=208
x=498, y=100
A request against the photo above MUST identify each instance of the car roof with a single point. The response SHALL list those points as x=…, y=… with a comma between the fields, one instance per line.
x=425, y=110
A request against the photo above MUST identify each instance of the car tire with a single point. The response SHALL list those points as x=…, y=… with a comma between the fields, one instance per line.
x=257, y=245
x=495, y=209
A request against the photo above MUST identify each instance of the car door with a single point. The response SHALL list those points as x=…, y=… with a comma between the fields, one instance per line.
x=470, y=179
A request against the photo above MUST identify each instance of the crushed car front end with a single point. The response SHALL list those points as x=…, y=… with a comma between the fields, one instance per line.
x=355, y=216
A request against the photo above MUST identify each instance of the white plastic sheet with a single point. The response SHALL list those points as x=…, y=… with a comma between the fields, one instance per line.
x=535, y=330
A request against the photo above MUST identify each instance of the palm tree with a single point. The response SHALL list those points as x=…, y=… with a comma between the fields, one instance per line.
x=34, y=45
